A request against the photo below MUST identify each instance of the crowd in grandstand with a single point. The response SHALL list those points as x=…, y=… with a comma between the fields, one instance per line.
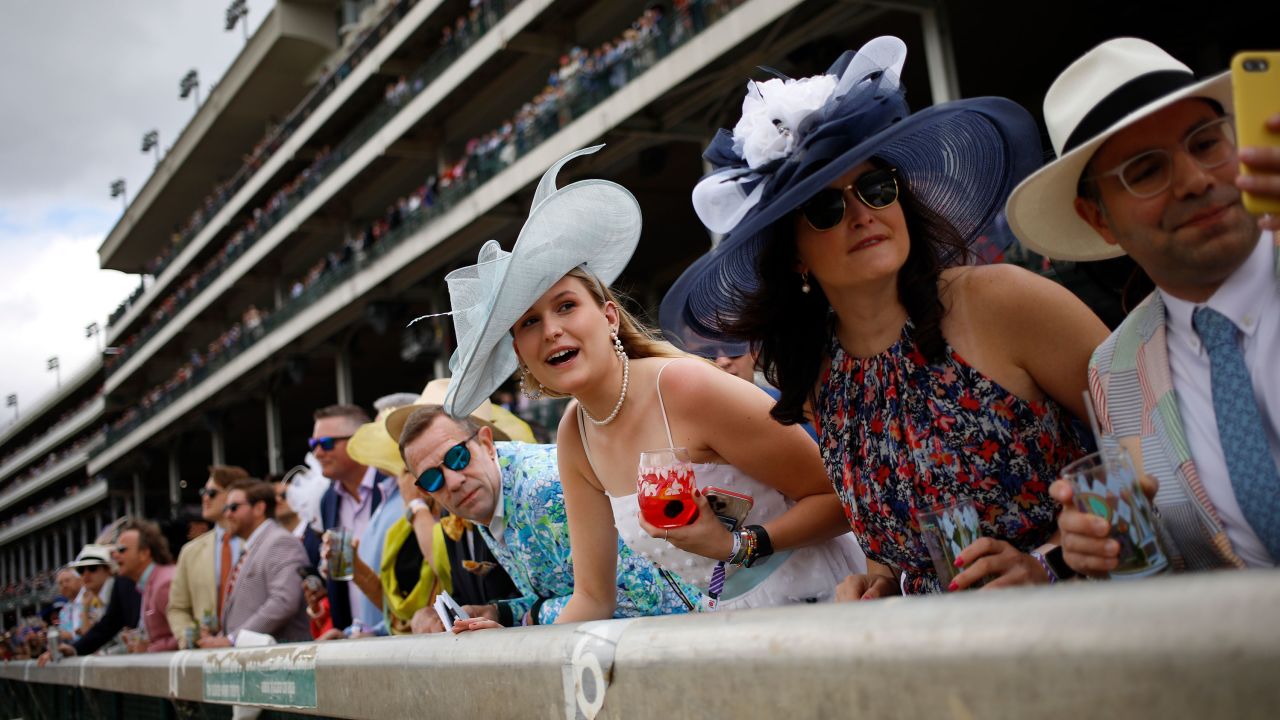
x=582, y=80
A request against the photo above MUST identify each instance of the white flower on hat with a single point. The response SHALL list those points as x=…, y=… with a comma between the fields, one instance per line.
x=772, y=113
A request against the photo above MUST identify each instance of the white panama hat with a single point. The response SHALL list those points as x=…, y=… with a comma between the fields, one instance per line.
x=592, y=223
x=1109, y=88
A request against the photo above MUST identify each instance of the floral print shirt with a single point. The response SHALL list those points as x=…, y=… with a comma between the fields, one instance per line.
x=534, y=548
x=899, y=435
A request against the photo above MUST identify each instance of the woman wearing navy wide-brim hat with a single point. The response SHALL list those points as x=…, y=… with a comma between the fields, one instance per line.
x=848, y=221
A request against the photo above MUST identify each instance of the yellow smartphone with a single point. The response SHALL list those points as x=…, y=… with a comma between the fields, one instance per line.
x=1255, y=87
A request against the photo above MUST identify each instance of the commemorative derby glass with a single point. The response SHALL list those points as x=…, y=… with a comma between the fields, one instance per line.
x=1105, y=484
x=665, y=488
x=342, y=564
x=947, y=530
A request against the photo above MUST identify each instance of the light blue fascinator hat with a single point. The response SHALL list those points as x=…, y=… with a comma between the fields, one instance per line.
x=590, y=223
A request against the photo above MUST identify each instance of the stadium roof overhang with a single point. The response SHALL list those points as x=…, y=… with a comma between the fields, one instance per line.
x=264, y=83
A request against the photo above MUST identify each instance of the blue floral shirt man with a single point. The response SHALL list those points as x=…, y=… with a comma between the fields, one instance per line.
x=529, y=535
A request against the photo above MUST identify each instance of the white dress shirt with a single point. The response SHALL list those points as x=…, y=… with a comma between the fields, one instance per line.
x=1250, y=298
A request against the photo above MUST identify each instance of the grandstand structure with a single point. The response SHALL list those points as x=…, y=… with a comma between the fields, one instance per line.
x=355, y=152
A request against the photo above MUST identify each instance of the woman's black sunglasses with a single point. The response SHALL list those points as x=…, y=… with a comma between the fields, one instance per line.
x=457, y=458
x=877, y=190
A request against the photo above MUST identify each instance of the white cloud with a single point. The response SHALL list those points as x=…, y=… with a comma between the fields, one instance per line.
x=94, y=77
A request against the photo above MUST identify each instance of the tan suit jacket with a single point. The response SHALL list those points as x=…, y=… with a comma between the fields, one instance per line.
x=194, y=589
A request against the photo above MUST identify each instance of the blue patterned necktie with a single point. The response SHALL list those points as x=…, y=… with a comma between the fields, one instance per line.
x=1244, y=441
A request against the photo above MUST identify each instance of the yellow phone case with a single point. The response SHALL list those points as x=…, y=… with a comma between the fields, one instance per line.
x=1255, y=86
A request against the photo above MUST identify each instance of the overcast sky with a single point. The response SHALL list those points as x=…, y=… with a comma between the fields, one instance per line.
x=83, y=81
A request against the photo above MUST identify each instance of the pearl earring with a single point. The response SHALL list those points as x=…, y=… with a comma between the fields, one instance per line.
x=804, y=283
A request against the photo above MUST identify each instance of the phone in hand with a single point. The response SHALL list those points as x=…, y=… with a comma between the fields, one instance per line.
x=1255, y=87
x=448, y=610
x=730, y=507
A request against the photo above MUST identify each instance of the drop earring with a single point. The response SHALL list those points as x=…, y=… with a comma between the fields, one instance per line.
x=804, y=282
x=529, y=386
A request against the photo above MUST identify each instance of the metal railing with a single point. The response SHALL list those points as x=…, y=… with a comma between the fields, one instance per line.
x=1205, y=646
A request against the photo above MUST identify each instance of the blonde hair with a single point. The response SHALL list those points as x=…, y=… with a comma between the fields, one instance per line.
x=638, y=340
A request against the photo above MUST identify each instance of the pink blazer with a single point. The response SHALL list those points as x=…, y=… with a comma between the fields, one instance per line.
x=155, y=600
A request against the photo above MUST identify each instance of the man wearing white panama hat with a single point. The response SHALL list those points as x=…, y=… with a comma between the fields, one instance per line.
x=1147, y=165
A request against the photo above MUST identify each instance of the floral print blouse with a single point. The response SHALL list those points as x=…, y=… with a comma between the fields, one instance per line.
x=899, y=435
x=534, y=545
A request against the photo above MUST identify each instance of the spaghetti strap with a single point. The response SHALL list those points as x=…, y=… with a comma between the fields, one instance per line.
x=661, y=405
x=582, y=433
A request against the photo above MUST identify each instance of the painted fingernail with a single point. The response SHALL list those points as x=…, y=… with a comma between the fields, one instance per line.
x=953, y=586
x=960, y=562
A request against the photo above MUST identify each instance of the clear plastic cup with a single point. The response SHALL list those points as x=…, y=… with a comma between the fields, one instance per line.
x=342, y=564
x=947, y=530
x=1105, y=484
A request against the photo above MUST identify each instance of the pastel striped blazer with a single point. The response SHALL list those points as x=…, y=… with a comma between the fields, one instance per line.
x=1132, y=388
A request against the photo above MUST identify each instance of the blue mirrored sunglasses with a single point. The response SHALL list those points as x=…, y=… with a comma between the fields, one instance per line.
x=326, y=443
x=457, y=458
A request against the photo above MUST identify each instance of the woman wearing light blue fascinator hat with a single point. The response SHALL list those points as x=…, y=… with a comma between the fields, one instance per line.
x=545, y=310
x=847, y=220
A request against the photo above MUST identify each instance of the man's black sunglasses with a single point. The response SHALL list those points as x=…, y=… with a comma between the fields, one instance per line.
x=327, y=442
x=457, y=458
x=877, y=189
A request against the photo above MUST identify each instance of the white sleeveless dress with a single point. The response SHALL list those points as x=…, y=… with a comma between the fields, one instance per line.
x=807, y=574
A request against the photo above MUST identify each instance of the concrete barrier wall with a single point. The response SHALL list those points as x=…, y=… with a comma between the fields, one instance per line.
x=1186, y=647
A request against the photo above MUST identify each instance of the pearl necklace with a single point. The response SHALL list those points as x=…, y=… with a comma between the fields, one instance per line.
x=626, y=379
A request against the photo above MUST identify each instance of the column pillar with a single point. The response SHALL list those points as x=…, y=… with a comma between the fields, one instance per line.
x=138, y=508
x=84, y=531
x=218, y=443
x=342, y=367
x=275, y=443
x=939, y=54
x=70, y=554
x=175, y=483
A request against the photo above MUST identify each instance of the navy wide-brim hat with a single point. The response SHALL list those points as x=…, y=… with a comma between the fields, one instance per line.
x=961, y=159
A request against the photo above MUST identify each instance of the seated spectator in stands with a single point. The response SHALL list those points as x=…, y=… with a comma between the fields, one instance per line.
x=262, y=595
x=512, y=492
x=142, y=554
x=70, y=587
x=205, y=564
x=122, y=601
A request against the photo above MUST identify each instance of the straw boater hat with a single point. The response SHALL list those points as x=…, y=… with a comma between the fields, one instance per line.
x=592, y=223
x=434, y=394
x=1111, y=87
x=796, y=136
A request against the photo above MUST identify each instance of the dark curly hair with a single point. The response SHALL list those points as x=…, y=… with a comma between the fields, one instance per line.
x=790, y=328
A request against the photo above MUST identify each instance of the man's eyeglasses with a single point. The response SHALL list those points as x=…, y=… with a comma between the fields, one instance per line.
x=1150, y=173
x=326, y=443
x=232, y=507
x=208, y=492
x=457, y=458
x=91, y=568
x=877, y=189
